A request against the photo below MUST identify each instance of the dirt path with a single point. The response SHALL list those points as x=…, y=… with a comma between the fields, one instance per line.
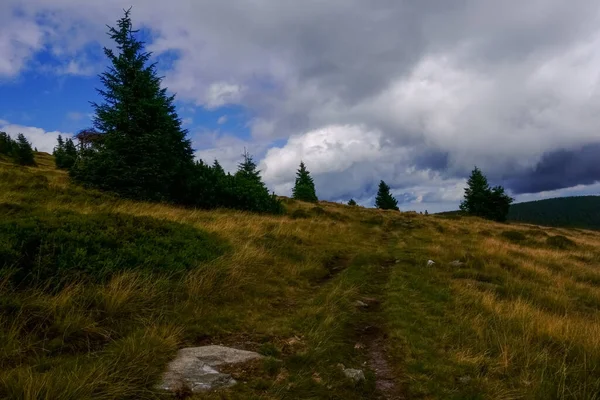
x=371, y=336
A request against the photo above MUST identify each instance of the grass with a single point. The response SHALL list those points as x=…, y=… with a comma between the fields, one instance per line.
x=97, y=294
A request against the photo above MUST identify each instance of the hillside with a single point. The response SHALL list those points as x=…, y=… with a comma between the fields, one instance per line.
x=574, y=212
x=98, y=293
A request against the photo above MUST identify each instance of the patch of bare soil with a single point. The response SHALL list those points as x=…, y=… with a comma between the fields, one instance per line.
x=387, y=382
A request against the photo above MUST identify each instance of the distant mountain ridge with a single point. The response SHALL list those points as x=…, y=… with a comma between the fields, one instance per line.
x=571, y=212
x=568, y=212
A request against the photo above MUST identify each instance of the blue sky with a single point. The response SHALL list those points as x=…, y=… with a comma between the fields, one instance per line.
x=414, y=95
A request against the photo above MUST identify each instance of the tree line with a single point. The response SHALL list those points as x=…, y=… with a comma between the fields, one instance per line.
x=19, y=150
x=141, y=150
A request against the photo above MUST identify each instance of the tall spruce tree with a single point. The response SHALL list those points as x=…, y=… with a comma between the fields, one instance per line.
x=22, y=151
x=384, y=199
x=144, y=152
x=304, y=189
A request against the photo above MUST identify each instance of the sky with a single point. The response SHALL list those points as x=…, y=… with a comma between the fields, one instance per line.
x=415, y=93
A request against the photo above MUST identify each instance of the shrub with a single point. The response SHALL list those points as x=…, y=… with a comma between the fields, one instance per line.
x=300, y=214
x=514, y=236
x=46, y=248
x=560, y=242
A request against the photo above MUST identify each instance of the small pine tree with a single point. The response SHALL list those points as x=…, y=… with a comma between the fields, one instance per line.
x=246, y=191
x=481, y=201
x=22, y=151
x=499, y=204
x=248, y=169
x=352, y=202
x=476, y=194
x=218, y=168
x=59, y=152
x=6, y=144
x=304, y=188
x=384, y=199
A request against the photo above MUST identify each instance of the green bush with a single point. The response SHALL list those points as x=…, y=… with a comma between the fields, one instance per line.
x=53, y=248
x=514, y=236
x=560, y=242
x=300, y=214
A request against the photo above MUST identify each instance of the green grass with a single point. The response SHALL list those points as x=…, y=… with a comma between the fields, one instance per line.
x=97, y=294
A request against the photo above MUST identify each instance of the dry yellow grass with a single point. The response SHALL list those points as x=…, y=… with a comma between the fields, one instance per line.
x=518, y=320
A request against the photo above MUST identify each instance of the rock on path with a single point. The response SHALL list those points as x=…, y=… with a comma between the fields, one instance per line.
x=194, y=368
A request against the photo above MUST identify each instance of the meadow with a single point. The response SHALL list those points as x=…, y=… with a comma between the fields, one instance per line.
x=97, y=293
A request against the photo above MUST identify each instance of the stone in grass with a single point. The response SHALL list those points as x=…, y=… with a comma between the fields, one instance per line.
x=457, y=263
x=195, y=368
x=356, y=375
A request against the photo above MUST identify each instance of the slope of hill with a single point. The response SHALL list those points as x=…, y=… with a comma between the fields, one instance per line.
x=574, y=212
x=98, y=293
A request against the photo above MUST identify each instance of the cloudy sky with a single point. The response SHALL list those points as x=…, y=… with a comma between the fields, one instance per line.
x=412, y=92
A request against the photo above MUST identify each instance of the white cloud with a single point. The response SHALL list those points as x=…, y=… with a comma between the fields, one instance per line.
x=223, y=93
x=20, y=38
x=222, y=119
x=44, y=141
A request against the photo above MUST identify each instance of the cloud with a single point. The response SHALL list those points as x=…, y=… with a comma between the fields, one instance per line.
x=222, y=119
x=415, y=93
x=20, y=38
x=44, y=141
x=222, y=93
x=560, y=169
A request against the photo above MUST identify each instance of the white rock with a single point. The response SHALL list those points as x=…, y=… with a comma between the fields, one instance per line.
x=359, y=303
x=354, y=374
x=195, y=368
x=430, y=263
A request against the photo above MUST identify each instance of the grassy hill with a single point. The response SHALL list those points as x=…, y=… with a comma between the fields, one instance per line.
x=98, y=293
x=574, y=212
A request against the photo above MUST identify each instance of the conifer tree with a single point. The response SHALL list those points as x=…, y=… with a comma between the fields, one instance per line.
x=352, y=202
x=304, y=189
x=476, y=194
x=70, y=153
x=22, y=151
x=6, y=144
x=59, y=152
x=499, y=204
x=144, y=152
x=218, y=168
x=248, y=169
x=384, y=199
x=481, y=201
x=247, y=190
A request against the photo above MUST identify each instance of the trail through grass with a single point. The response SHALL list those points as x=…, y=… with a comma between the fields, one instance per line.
x=97, y=294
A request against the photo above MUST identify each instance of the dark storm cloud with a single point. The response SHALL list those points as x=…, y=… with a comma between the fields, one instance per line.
x=560, y=169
